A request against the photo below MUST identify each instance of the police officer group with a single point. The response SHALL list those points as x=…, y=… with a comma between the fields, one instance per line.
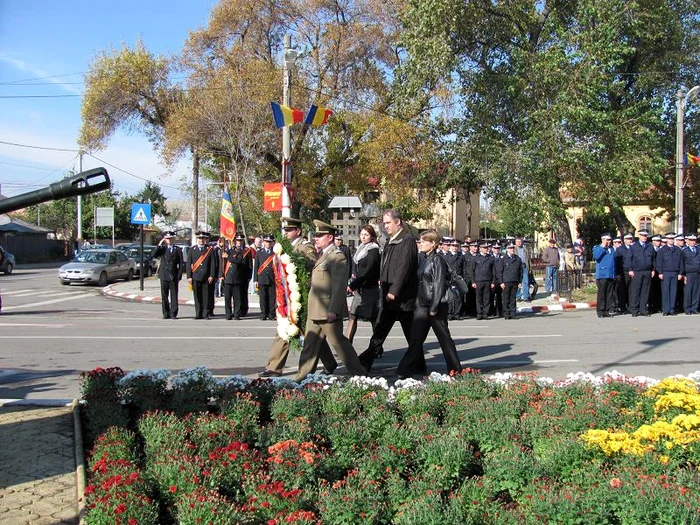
x=647, y=275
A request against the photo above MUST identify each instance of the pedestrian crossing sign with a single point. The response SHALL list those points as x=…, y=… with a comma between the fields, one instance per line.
x=140, y=213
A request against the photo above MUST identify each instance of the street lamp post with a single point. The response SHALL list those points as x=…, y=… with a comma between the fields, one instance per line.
x=290, y=56
x=680, y=107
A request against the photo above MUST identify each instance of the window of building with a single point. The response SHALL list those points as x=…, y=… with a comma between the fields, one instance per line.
x=645, y=223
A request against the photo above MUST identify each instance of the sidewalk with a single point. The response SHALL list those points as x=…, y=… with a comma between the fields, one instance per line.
x=40, y=463
x=130, y=291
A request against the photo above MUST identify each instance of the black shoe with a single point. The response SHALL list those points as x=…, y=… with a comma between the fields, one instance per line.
x=327, y=372
x=207, y=317
x=646, y=314
x=198, y=317
x=166, y=317
x=635, y=315
x=229, y=317
x=367, y=359
x=263, y=318
x=237, y=318
x=269, y=373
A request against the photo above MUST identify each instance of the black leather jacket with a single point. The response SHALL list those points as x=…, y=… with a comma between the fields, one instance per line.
x=432, y=280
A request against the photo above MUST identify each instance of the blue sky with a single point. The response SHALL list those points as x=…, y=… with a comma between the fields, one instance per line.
x=45, y=48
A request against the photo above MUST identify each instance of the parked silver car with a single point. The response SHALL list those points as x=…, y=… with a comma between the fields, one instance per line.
x=97, y=267
x=7, y=261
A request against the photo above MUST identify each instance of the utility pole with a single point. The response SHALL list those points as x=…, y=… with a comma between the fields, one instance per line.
x=195, y=196
x=680, y=157
x=290, y=56
x=80, y=204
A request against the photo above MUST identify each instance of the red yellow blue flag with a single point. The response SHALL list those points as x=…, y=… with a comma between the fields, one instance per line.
x=285, y=116
x=692, y=159
x=317, y=116
x=227, y=223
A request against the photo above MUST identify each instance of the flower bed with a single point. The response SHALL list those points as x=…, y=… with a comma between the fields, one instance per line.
x=467, y=449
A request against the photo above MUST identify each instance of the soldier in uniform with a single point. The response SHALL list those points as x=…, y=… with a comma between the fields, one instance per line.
x=680, y=244
x=604, y=257
x=327, y=306
x=669, y=267
x=641, y=271
x=235, y=270
x=509, y=270
x=483, y=280
x=170, y=273
x=265, y=279
x=456, y=263
x=280, y=348
x=623, y=260
x=496, y=304
x=200, y=274
x=655, y=286
x=217, y=251
x=470, y=296
x=338, y=240
x=691, y=262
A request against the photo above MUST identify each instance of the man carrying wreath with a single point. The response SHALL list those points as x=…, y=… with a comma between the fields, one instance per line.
x=280, y=347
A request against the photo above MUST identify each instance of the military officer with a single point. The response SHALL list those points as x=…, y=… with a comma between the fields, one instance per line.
x=509, y=270
x=234, y=273
x=280, y=348
x=483, y=280
x=641, y=271
x=691, y=261
x=200, y=274
x=496, y=304
x=170, y=273
x=327, y=306
x=669, y=266
x=655, y=286
x=265, y=279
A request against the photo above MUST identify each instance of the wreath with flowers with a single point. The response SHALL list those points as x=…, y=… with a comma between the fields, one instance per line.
x=291, y=290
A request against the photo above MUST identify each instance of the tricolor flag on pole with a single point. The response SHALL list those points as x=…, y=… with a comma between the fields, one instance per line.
x=692, y=159
x=317, y=116
x=285, y=116
x=227, y=223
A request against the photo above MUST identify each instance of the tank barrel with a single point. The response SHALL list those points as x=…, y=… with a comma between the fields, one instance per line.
x=83, y=183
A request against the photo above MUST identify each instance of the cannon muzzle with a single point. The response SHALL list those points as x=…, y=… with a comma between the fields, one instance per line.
x=83, y=183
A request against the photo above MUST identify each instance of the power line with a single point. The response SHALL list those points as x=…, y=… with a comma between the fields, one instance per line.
x=39, y=96
x=25, y=166
x=39, y=78
x=38, y=147
x=128, y=172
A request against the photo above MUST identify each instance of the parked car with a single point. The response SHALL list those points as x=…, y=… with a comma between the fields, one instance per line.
x=7, y=261
x=97, y=267
x=134, y=253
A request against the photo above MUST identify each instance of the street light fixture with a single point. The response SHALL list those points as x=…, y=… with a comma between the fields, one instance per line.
x=290, y=57
x=680, y=107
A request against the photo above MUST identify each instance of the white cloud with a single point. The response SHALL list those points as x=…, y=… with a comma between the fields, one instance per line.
x=42, y=74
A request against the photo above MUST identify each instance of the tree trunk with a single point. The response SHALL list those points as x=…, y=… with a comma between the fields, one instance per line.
x=560, y=225
x=195, y=196
x=621, y=221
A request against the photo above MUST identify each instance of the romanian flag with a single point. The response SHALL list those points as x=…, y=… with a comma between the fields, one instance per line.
x=227, y=224
x=317, y=116
x=285, y=116
x=692, y=159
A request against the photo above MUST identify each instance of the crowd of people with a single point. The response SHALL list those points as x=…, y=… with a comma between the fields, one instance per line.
x=638, y=277
x=420, y=283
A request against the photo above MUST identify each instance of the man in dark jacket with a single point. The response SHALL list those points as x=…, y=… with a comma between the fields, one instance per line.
x=551, y=258
x=200, y=274
x=691, y=261
x=641, y=271
x=265, y=279
x=483, y=280
x=169, y=273
x=509, y=270
x=669, y=266
x=235, y=268
x=398, y=282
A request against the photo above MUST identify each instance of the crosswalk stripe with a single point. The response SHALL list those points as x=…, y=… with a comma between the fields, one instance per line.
x=43, y=292
x=15, y=292
x=43, y=303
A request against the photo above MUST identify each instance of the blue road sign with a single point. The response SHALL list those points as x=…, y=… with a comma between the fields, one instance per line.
x=140, y=213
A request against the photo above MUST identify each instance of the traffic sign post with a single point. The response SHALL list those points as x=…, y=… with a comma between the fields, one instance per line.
x=141, y=214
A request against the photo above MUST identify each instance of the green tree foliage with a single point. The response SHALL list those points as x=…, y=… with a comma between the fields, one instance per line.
x=557, y=100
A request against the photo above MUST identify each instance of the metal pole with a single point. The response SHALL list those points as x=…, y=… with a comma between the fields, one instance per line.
x=80, y=205
x=679, y=162
x=206, y=205
x=286, y=132
x=141, y=272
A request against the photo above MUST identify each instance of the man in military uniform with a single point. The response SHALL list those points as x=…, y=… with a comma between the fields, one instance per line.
x=468, y=275
x=641, y=271
x=623, y=261
x=456, y=263
x=217, y=251
x=680, y=293
x=170, y=273
x=200, y=274
x=327, y=306
x=234, y=273
x=265, y=279
x=280, y=348
x=483, y=280
x=691, y=262
x=496, y=303
x=669, y=267
x=338, y=240
x=655, y=285
x=509, y=270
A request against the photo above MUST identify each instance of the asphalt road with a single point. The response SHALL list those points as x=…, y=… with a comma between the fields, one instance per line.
x=50, y=333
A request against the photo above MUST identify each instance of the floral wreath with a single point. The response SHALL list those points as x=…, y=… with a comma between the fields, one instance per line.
x=290, y=284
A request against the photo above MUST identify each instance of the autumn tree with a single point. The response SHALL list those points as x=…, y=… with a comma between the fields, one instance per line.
x=557, y=99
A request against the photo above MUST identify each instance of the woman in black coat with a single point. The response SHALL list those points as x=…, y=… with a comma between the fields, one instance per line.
x=364, y=281
x=430, y=311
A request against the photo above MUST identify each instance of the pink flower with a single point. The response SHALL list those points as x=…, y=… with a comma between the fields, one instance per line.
x=616, y=483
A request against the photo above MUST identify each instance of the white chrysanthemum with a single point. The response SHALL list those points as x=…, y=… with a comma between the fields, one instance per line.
x=296, y=306
x=292, y=330
x=291, y=268
x=293, y=287
x=282, y=332
x=292, y=279
x=294, y=295
x=284, y=258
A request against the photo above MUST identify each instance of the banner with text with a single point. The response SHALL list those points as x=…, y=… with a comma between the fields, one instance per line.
x=272, y=196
